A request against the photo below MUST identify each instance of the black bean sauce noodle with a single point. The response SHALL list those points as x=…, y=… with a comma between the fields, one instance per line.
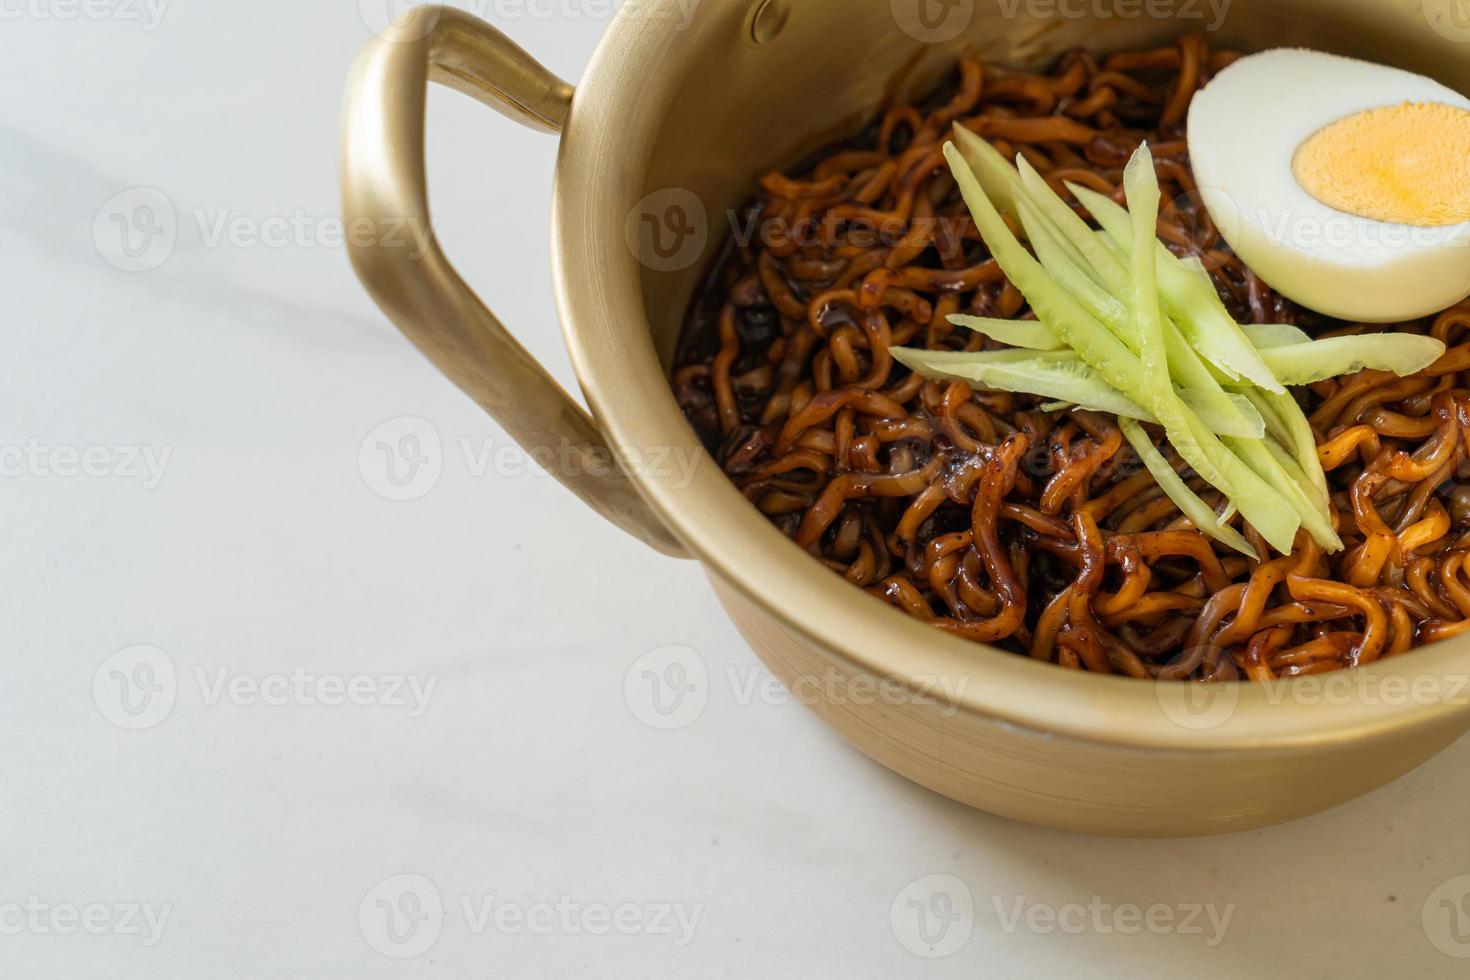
x=1038, y=531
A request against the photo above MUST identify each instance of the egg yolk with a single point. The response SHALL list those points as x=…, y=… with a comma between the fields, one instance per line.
x=1407, y=164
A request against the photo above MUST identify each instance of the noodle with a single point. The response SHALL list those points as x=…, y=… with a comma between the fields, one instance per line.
x=1041, y=532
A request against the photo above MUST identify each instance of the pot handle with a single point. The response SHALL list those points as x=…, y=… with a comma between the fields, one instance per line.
x=384, y=189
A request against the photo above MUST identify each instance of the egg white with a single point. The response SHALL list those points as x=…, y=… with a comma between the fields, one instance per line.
x=1245, y=127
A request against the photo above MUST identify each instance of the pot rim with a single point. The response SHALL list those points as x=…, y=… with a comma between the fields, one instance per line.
x=597, y=282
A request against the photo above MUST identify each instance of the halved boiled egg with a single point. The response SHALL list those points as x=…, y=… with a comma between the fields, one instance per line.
x=1343, y=184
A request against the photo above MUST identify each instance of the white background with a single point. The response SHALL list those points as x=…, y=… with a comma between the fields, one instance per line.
x=261, y=830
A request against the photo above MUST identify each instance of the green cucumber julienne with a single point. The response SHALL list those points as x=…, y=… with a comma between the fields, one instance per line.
x=1139, y=333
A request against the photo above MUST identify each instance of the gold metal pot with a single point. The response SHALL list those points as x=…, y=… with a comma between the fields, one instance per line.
x=684, y=101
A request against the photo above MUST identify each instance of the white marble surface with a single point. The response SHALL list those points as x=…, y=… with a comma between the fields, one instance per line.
x=255, y=825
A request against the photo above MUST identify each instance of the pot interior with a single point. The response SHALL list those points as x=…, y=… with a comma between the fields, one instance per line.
x=728, y=106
